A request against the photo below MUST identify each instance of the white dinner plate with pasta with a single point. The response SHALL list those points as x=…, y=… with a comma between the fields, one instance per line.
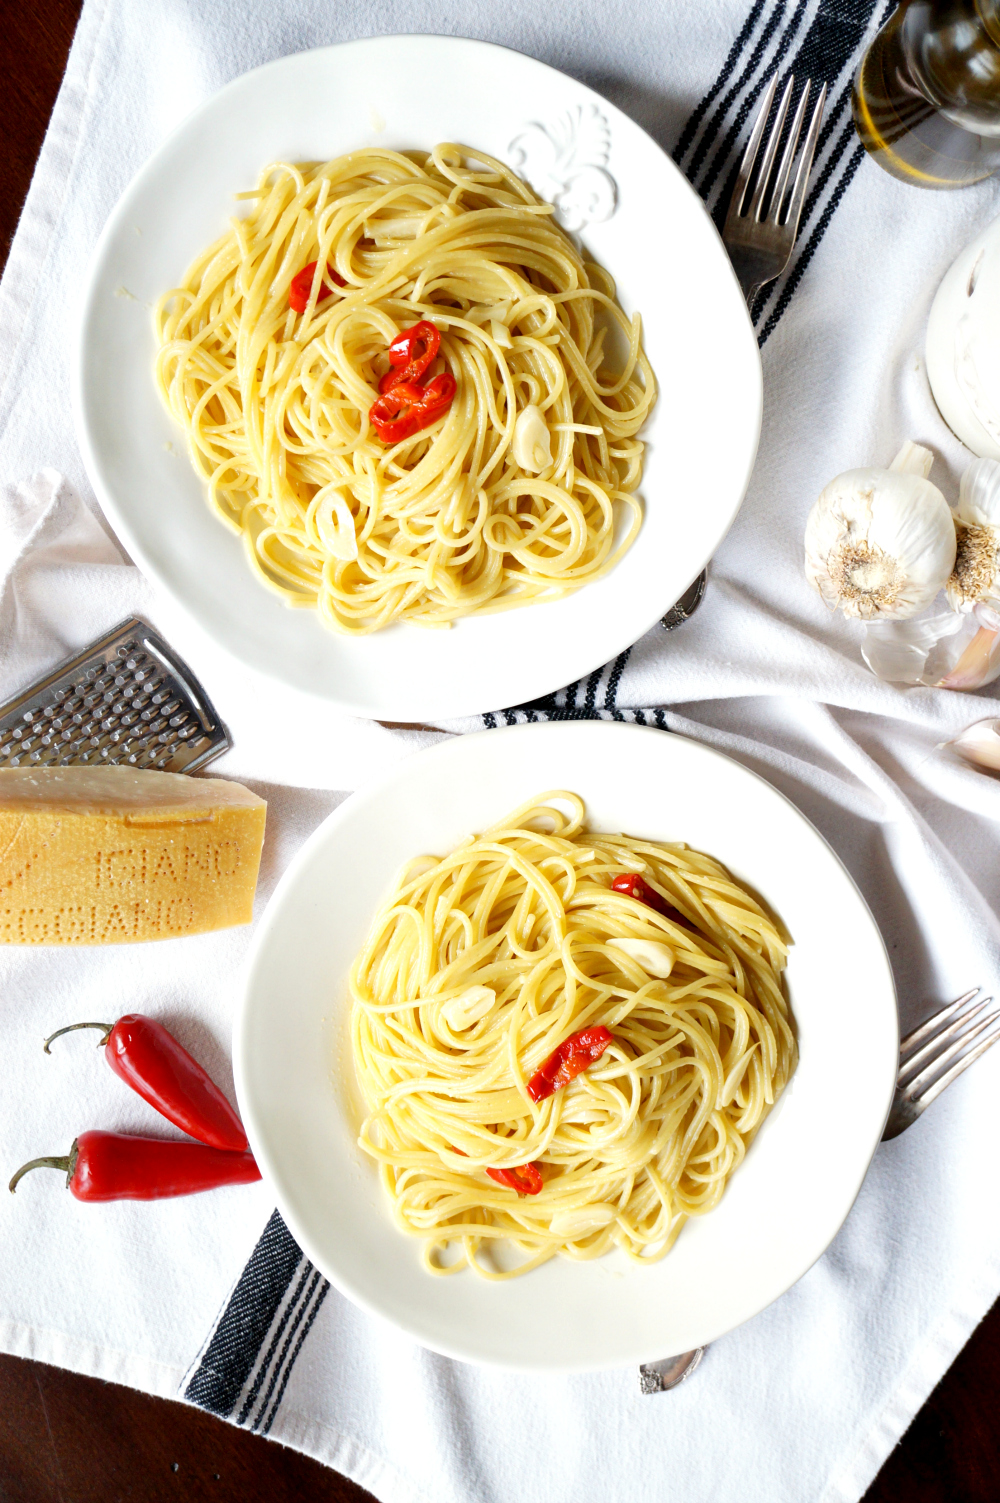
x=566, y=1045
x=411, y=397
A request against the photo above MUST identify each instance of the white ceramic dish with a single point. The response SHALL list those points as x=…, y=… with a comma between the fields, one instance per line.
x=659, y=244
x=297, y=1090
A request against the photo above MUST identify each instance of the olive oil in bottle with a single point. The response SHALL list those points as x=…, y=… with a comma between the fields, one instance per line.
x=927, y=93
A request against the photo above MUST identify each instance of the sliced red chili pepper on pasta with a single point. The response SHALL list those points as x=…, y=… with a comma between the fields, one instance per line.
x=526, y=1179
x=568, y=1061
x=298, y=292
x=634, y=886
x=406, y=408
x=410, y=355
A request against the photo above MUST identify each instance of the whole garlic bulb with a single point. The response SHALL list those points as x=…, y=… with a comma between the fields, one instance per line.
x=976, y=575
x=881, y=543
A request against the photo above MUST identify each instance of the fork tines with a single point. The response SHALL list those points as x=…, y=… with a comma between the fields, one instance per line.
x=770, y=189
x=945, y=1037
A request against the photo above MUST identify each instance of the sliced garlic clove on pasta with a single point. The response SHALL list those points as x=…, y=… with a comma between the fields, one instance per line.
x=732, y=1082
x=334, y=524
x=469, y=1007
x=500, y=334
x=654, y=958
x=582, y=1220
x=532, y=446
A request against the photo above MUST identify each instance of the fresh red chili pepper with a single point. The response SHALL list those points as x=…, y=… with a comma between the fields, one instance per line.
x=118, y=1166
x=525, y=1179
x=150, y=1060
x=565, y=1063
x=410, y=354
x=632, y=884
x=298, y=292
x=406, y=409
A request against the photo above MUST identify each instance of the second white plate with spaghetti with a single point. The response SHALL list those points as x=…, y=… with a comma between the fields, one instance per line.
x=297, y=1092
x=639, y=218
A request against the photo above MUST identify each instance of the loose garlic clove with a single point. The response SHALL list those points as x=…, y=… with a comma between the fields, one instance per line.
x=976, y=575
x=950, y=650
x=581, y=1221
x=881, y=543
x=979, y=662
x=654, y=958
x=532, y=445
x=468, y=1008
x=979, y=745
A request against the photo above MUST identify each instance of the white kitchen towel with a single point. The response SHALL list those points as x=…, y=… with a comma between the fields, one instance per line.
x=208, y=1297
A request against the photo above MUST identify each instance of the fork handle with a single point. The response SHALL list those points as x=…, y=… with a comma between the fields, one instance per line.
x=752, y=270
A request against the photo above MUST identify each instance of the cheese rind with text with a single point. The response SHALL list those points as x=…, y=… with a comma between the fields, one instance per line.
x=115, y=855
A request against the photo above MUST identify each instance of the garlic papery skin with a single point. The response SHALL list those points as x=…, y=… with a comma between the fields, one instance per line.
x=582, y=1220
x=881, y=543
x=948, y=650
x=979, y=661
x=963, y=344
x=654, y=958
x=468, y=1008
x=979, y=745
x=532, y=445
x=976, y=575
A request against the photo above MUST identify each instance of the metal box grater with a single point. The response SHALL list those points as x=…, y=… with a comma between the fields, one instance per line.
x=126, y=699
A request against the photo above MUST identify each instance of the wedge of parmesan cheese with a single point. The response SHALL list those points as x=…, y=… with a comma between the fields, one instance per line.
x=113, y=855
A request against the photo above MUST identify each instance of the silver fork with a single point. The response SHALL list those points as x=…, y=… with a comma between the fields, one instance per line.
x=928, y=1050
x=760, y=244
x=945, y=1037
x=759, y=234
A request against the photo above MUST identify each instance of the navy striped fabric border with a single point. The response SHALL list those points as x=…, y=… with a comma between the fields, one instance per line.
x=822, y=42
x=242, y=1370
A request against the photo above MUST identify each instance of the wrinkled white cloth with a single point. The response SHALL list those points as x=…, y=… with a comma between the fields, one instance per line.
x=805, y=1401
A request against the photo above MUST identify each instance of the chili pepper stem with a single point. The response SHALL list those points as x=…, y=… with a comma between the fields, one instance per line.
x=67, y=1162
x=105, y=1028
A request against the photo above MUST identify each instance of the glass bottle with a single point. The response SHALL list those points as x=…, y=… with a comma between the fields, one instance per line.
x=927, y=93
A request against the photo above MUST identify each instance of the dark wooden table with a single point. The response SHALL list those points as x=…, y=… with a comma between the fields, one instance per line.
x=66, y=1439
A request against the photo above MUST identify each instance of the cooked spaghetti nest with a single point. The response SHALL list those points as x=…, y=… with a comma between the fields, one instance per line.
x=482, y=962
x=276, y=404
